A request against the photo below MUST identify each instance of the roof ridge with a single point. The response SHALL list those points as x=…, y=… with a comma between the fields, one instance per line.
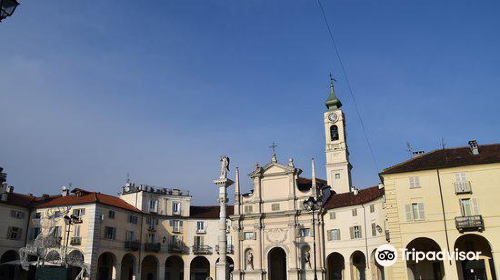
x=412, y=159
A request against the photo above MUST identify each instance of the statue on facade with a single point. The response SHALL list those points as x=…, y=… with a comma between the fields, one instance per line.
x=250, y=260
x=224, y=167
x=307, y=257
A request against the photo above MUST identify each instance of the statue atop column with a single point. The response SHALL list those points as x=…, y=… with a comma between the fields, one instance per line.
x=224, y=167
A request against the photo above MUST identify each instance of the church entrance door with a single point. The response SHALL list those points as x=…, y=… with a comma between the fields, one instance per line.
x=277, y=264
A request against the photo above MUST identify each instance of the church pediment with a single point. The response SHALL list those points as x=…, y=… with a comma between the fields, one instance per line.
x=272, y=169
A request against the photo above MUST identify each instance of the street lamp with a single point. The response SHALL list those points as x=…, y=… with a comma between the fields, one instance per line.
x=7, y=8
x=313, y=204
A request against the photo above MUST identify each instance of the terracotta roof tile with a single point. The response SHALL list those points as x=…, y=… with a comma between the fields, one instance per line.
x=349, y=199
x=87, y=197
x=208, y=212
x=446, y=158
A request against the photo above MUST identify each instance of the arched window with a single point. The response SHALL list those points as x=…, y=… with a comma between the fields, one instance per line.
x=334, y=133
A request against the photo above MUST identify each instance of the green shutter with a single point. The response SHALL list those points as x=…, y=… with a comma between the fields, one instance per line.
x=421, y=211
x=475, y=205
x=408, y=212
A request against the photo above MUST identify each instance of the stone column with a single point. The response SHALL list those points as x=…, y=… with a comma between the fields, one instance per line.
x=187, y=272
x=450, y=270
x=222, y=267
x=346, y=273
x=161, y=271
x=117, y=271
x=496, y=262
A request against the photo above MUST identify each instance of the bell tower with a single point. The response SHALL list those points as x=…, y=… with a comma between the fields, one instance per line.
x=338, y=168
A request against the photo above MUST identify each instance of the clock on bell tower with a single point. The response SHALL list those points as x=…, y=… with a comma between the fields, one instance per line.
x=338, y=168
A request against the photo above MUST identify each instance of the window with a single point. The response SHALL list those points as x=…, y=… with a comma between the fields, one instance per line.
x=414, y=182
x=151, y=238
x=58, y=214
x=176, y=226
x=111, y=214
x=198, y=241
x=77, y=231
x=110, y=233
x=79, y=212
x=356, y=232
x=415, y=212
x=469, y=207
x=153, y=205
x=34, y=232
x=372, y=208
x=337, y=175
x=132, y=219
x=460, y=177
x=37, y=216
x=334, y=133
x=249, y=235
x=333, y=216
x=304, y=232
x=354, y=212
x=176, y=240
x=17, y=214
x=57, y=231
x=176, y=208
x=333, y=234
x=14, y=233
x=152, y=223
x=200, y=227
x=130, y=235
x=374, y=229
x=275, y=206
x=248, y=209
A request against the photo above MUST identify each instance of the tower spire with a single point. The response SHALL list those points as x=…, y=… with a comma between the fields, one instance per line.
x=332, y=102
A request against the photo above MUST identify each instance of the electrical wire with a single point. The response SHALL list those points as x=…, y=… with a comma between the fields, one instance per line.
x=348, y=84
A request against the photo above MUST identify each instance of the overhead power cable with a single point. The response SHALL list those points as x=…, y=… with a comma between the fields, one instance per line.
x=348, y=84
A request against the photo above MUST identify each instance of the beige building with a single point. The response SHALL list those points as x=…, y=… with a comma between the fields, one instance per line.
x=445, y=200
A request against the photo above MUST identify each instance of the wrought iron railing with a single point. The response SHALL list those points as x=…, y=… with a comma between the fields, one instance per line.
x=152, y=247
x=469, y=223
x=176, y=248
x=132, y=245
x=201, y=249
x=229, y=249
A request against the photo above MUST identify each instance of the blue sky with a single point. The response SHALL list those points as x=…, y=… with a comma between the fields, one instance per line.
x=92, y=90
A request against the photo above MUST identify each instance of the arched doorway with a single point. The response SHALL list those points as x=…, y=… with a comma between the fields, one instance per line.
x=8, y=271
x=199, y=268
x=128, y=264
x=277, y=264
x=424, y=269
x=483, y=268
x=358, y=266
x=149, y=268
x=376, y=269
x=335, y=266
x=105, y=264
x=174, y=268
x=75, y=259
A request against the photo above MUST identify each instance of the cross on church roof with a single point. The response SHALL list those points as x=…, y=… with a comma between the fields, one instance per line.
x=273, y=146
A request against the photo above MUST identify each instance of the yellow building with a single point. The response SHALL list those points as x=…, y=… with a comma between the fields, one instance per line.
x=446, y=199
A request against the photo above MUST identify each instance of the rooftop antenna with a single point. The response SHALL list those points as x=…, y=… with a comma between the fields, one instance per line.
x=409, y=149
x=128, y=177
x=443, y=144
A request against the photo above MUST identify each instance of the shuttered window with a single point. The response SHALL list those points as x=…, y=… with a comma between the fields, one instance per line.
x=374, y=229
x=354, y=212
x=333, y=216
x=415, y=212
x=414, y=182
x=469, y=207
x=333, y=234
x=14, y=233
x=275, y=206
x=248, y=209
x=355, y=232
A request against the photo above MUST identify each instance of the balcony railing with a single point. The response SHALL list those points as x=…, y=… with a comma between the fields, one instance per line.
x=76, y=240
x=229, y=249
x=462, y=187
x=175, y=248
x=202, y=249
x=387, y=235
x=152, y=247
x=132, y=245
x=201, y=231
x=469, y=223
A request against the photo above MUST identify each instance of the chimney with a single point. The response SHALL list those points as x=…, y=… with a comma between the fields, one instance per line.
x=474, y=148
x=355, y=191
x=65, y=191
x=10, y=189
x=4, y=195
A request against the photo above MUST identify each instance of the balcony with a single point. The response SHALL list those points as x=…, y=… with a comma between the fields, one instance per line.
x=76, y=240
x=132, y=245
x=469, y=223
x=462, y=187
x=201, y=231
x=152, y=247
x=229, y=249
x=202, y=249
x=387, y=235
x=175, y=248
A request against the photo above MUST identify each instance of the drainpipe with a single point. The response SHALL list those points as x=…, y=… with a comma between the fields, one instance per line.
x=444, y=214
x=366, y=237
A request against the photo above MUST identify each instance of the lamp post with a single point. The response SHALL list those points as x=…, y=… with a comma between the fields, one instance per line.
x=313, y=204
x=7, y=8
x=69, y=220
